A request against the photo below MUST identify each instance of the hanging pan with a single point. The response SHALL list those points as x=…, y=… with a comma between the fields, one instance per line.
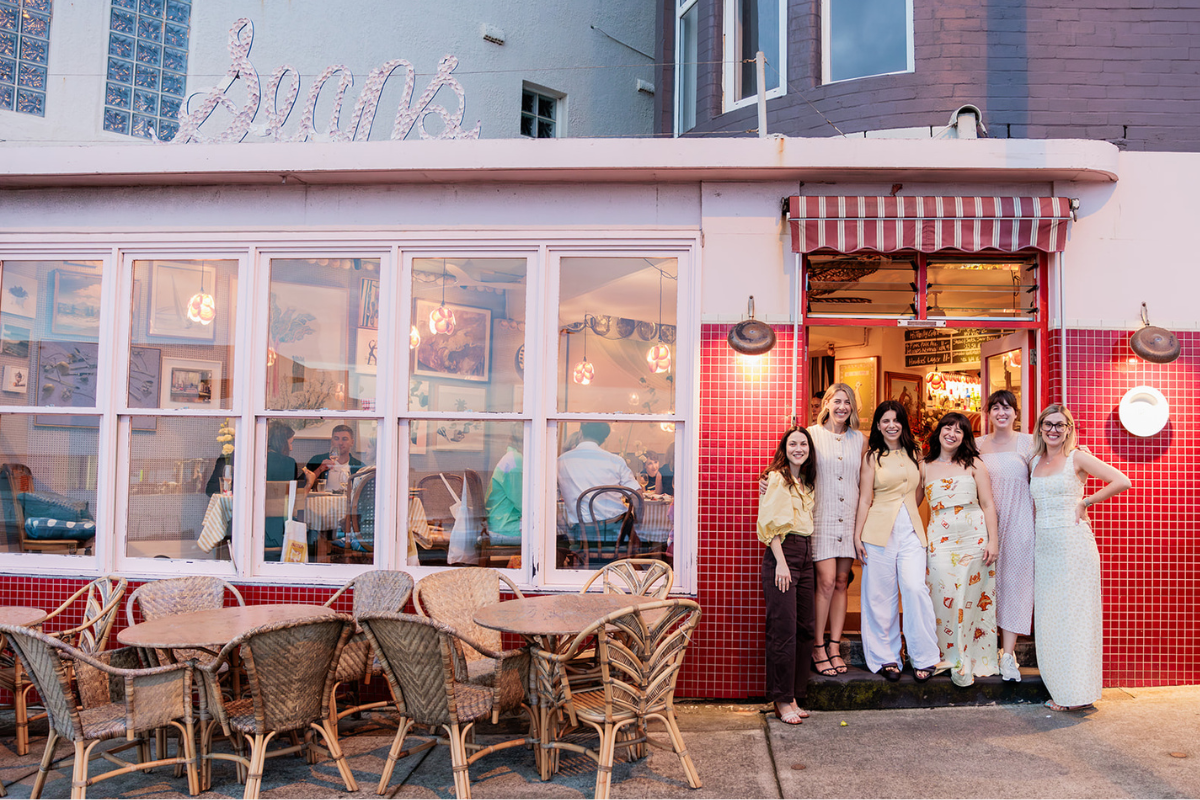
x=1154, y=344
x=751, y=337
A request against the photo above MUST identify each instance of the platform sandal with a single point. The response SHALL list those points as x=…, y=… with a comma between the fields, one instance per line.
x=891, y=671
x=829, y=671
x=842, y=669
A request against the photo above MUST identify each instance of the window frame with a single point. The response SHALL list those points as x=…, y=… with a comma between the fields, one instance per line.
x=682, y=8
x=560, y=110
x=733, y=57
x=826, y=50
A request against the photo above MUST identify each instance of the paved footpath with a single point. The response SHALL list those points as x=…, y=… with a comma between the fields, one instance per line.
x=1123, y=748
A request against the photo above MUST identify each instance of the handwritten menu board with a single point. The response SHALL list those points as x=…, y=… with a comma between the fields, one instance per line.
x=933, y=346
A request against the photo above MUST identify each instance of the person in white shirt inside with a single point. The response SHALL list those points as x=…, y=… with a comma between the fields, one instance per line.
x=591, y=465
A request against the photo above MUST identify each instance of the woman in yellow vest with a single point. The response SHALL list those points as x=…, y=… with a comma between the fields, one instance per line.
x=785, y=526
x=890, y=540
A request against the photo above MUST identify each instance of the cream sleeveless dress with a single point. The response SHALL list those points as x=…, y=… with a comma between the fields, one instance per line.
x=1068, y=617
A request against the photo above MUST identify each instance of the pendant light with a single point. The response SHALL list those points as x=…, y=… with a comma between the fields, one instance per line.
x=659, y=355
x=441, y=319
x=584, y=371
x=202, y=307
x=414, y=338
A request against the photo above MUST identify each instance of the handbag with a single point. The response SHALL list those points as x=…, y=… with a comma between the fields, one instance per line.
x=295, y=534
x=464, y=536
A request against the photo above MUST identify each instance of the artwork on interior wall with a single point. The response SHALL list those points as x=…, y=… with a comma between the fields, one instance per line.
x=15, y=341
x=188, y=383
x=66, y=376
x=508, y=345
x=20, y=294
x=16, y=379
x=366, y=361
x=76, y=307
x=906, y=389
x=368, y=304
x=309, y=324
x=172, y=286
x=145, y=369
x=463, y=354
x=465, y=434
x=861, y=375
x=418, y=437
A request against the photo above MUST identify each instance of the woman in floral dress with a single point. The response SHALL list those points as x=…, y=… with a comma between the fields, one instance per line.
x=963, y=546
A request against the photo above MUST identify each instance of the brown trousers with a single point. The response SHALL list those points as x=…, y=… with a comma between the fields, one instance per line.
x=791, y=621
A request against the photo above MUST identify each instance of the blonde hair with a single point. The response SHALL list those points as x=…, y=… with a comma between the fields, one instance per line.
x=1069, y=443
x=852, y=423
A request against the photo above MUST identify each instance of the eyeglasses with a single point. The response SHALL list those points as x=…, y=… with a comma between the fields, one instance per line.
x=1056, y=426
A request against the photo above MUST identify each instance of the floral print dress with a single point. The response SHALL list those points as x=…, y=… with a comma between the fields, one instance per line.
x=962, y=586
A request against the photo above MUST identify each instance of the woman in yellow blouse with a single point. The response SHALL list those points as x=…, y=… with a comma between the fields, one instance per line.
x=785, y=526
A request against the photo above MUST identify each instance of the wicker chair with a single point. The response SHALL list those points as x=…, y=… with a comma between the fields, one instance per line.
x=380, y=590
x=452, y=597
x=647, y=577
x=423, y=662
x=100, y=601
x=641, y=649
x=119, y=701
x=290, y=669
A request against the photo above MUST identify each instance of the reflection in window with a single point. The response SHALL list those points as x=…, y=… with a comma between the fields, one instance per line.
x=983, y=288
x=324, y=350
x=867, y=37
x=331, y=463
x=184, y=324
x=615, y=492
x=467, y=341
x=757, y=28
x=687, y=57
x=180, y=478
x=48, y=483
x=50, y=318
x=466, y=484
x=616, y=343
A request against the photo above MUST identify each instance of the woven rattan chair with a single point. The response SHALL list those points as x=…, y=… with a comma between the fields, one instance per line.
x=290, y=670
x=377, y=591
x=178, y=596
x=97, y=604
x=647, y=577
x=423, y=662
x=452, y=597
x=119, y=701
x=641, y=649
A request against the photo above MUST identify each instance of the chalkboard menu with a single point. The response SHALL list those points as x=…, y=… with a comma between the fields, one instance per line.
x=933, y=346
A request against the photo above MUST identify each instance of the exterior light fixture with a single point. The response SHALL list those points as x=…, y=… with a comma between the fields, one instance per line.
x=1154, y=344
x=751, y=337
x=441, y=319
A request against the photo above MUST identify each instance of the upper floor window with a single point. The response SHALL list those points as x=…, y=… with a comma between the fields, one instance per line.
x=24, y=53
x=861, y=38
x=750, y=26
x=147, y=67
x=541, y=114
x=687, y=52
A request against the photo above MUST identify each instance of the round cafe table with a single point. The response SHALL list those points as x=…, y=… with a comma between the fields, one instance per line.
x=21, y=615
x=213, y=629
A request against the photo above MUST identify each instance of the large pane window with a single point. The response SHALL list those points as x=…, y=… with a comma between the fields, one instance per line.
x=983, y=288
x=866, y=37
x=687, y=58
x=750, y=26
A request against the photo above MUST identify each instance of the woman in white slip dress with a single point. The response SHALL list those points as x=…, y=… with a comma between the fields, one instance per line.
x=1067, y=613
x=1007, y=454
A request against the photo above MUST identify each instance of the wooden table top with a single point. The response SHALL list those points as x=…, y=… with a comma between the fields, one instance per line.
x=214, y=628
x=21, y=615
x=554, y=615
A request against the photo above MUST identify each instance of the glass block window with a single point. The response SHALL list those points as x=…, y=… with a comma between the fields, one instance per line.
x=147, y=66
x=539, y=114
x=24, y=52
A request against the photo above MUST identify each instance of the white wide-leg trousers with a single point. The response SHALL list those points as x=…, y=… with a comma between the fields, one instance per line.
x=898, y=566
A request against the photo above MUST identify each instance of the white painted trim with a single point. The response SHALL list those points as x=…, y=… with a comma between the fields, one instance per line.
x=826, y=49
x=681, y=11
x=732, y=57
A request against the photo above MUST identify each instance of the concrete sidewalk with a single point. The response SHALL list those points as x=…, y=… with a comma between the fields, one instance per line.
x=1124, y=748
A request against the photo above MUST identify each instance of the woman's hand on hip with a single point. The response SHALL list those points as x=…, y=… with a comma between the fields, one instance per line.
x=1081, y=515
x=783, y=576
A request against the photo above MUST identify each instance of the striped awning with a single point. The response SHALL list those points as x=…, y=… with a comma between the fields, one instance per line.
x=929, y=224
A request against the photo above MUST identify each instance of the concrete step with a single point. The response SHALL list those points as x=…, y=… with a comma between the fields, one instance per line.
x=852, y=651
x=858, y=689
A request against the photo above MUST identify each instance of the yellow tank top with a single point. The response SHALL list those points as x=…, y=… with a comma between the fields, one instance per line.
x=896, y=481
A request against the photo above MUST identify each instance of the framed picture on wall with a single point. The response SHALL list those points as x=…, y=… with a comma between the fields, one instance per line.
x=366, y=361
x=861, y=375
x=172, y=286
x=464, y=434
x=15, y=340
x=16, y=379
x=187, y=383
x=368, y=304
x=76, y=307
x=20, y=294
x=906, y=389
x=418, y=437
x=66, y=376
x=463, y=354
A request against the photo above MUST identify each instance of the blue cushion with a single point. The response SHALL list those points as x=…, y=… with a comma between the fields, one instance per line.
x=51, y=528
x=49, y=504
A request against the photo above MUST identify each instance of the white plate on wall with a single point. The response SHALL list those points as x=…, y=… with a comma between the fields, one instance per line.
x=1144, y=411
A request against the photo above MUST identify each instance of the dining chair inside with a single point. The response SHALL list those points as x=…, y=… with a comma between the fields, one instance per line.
x=422, y=660
x=641, y=650
x=377, y=591
x=290, y=671
x=97, y=604
x=452, y=597
x=354, y=540
x=115, y=699
x=600, y=537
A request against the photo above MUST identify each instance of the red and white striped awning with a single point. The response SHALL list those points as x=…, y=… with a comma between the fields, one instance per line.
x=929, y=224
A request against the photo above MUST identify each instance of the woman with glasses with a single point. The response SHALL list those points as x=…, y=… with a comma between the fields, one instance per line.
x=1067, y=613
x=889, y=537
x=963, y=545
x=1007, y=454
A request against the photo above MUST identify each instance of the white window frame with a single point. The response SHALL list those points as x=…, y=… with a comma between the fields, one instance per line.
x=733, y=57
x=682, y=7
x=826, y=65
x=560, y=109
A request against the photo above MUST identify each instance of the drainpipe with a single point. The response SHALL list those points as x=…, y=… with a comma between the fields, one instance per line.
x=760, y=66
x=967, y=122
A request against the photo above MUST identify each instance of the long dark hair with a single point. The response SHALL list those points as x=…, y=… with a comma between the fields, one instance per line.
x=877, y=446
x=779, y=463
x=966, y=453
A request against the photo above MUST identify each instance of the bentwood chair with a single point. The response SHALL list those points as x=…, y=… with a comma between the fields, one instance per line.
x=96, y=604
x=290, y=669
x=423, y=662
x=377, y=591
x=114, y=699
x=354, y=540
x=641, y=650
x=603, y=534
x=452, y=597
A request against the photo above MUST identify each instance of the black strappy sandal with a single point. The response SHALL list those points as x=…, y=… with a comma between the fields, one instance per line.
x=842, y=669
x=891, y=671
x=828, y=672
x=924, y=674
